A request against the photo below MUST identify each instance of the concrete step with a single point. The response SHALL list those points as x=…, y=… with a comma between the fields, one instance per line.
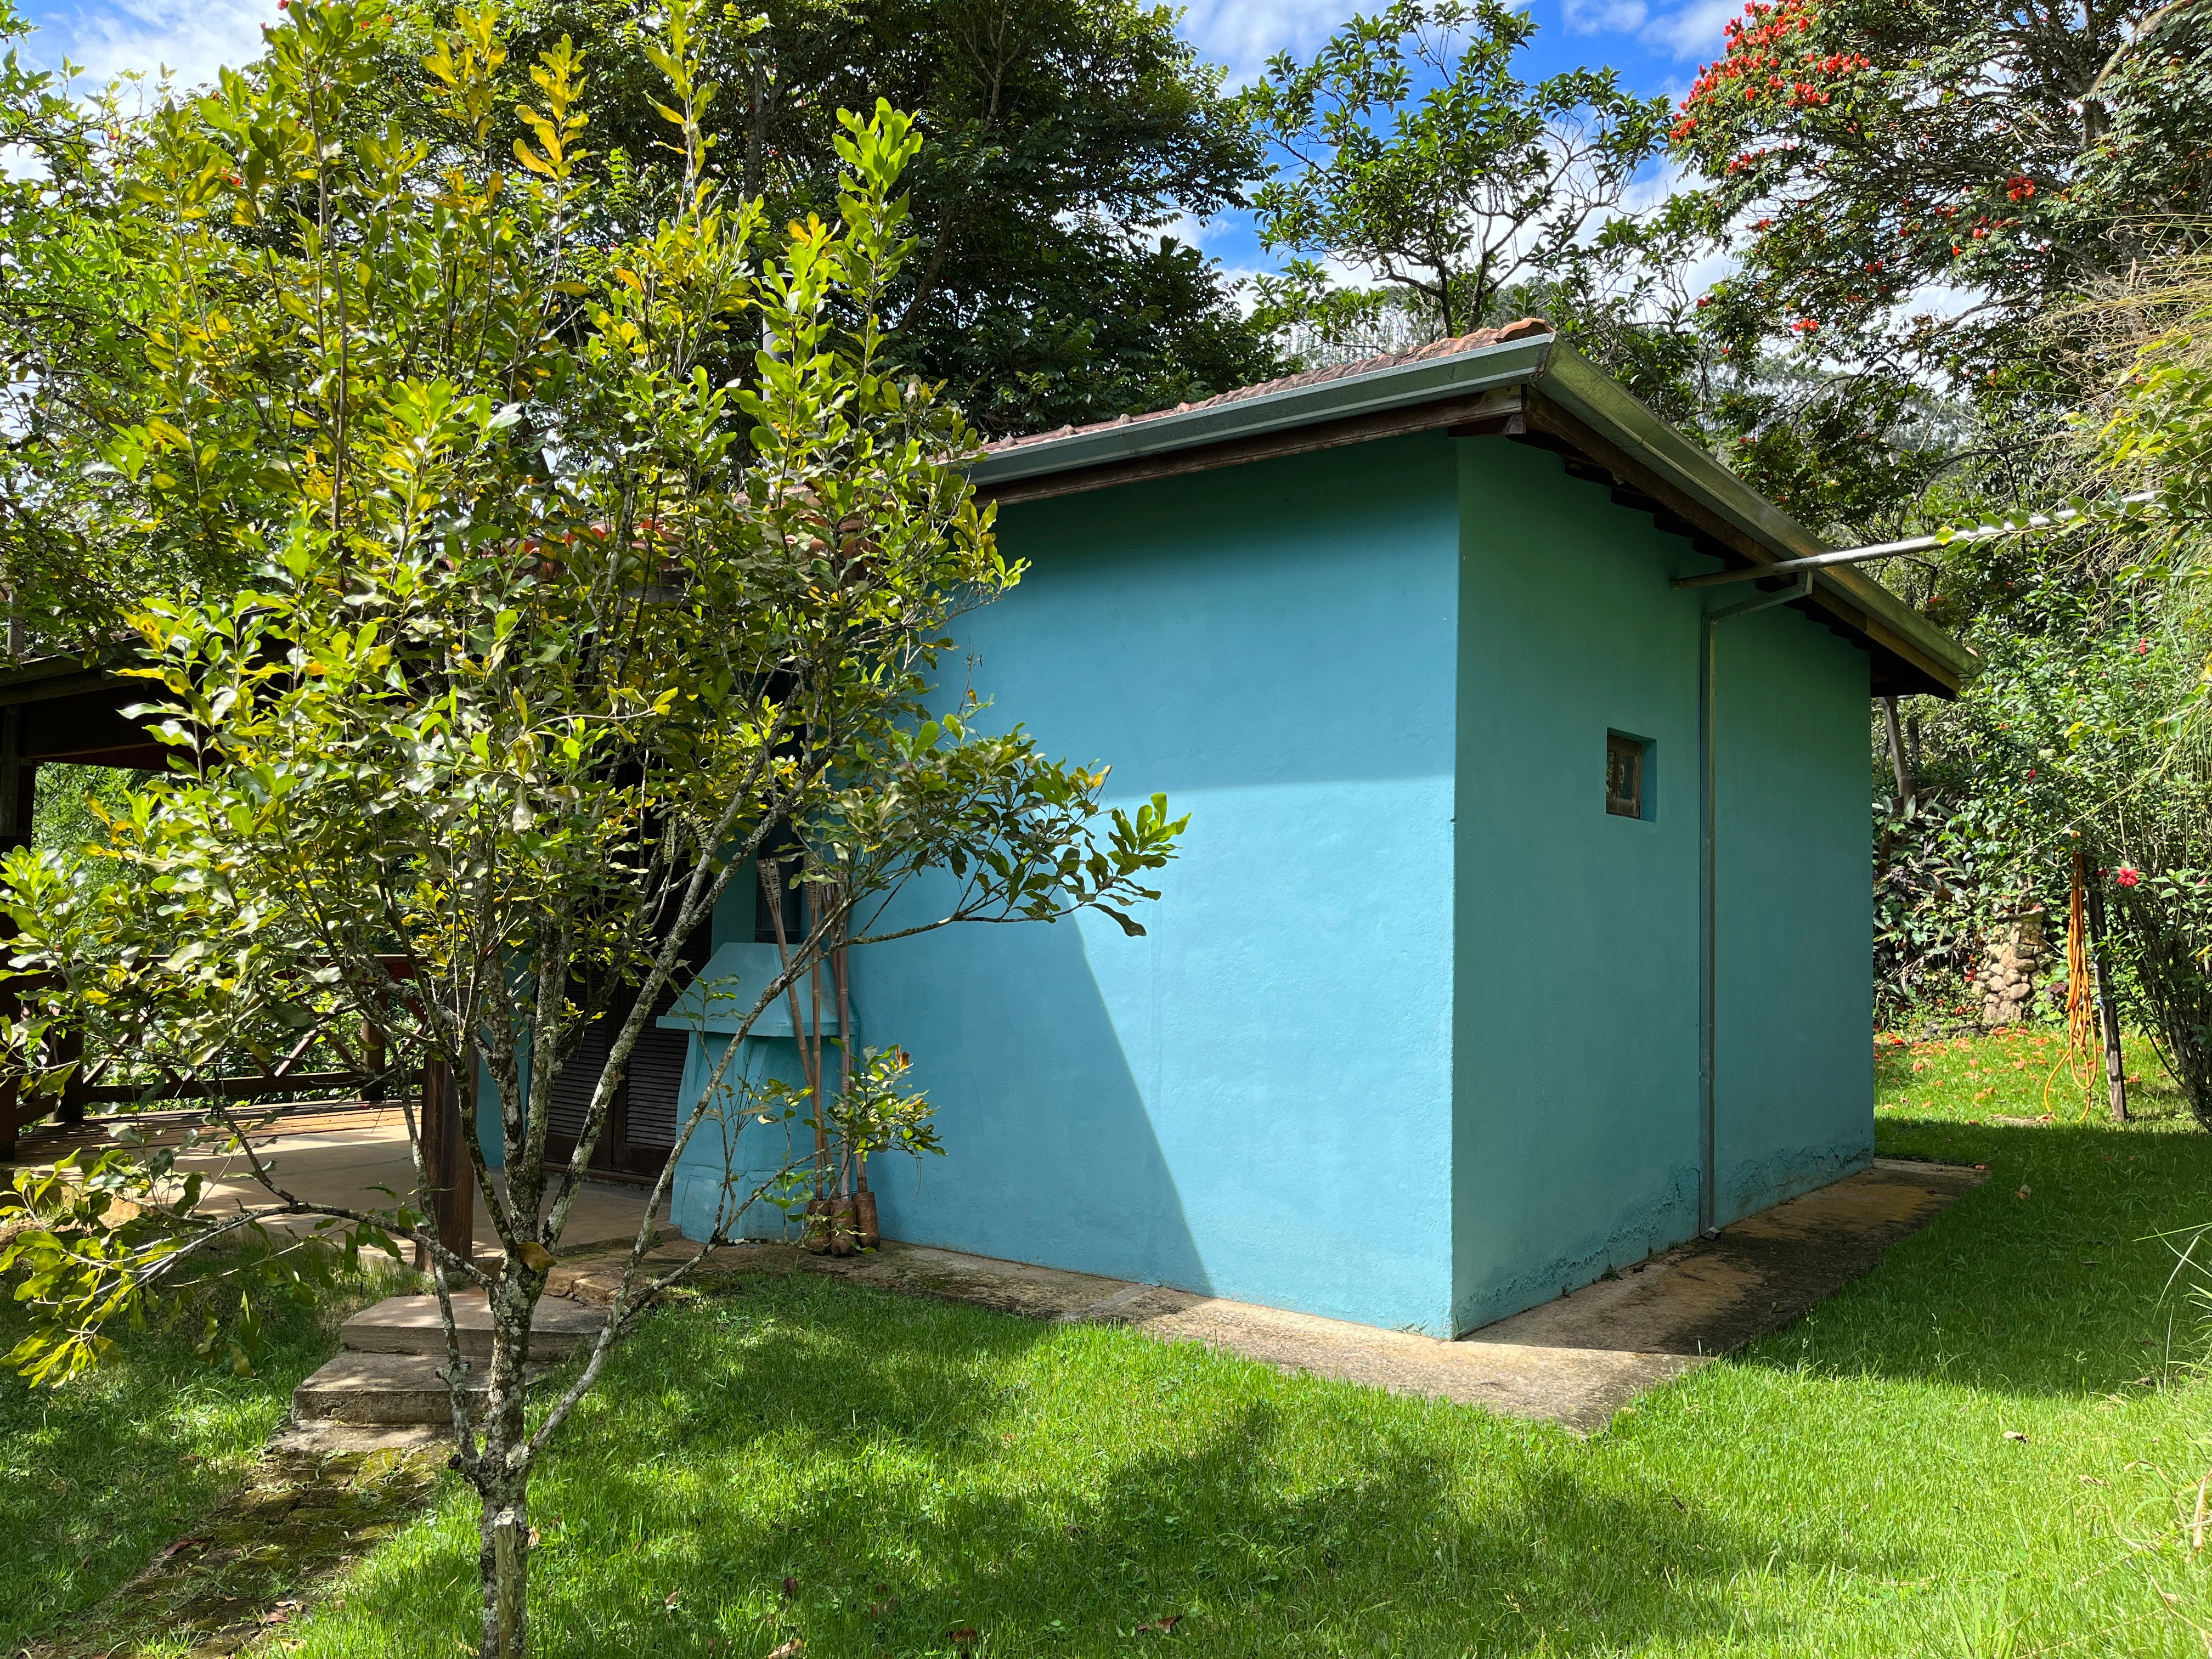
x=410, y=1324
x=384, y=1389
x=324, y=1436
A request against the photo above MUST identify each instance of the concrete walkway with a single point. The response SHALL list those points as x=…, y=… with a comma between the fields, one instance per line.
x=1576, y=1360
x=342, y=1157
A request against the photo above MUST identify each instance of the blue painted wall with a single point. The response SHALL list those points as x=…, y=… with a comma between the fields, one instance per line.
x=1255, y=1099
x=1793, y=1072
x=1413, y=1039
x=1576, y=1144
x=744, y=1169
x=1577, y=1136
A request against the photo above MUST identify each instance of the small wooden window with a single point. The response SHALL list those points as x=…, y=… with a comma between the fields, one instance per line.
x=1623, y=775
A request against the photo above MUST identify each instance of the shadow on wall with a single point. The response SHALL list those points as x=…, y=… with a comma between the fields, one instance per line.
x=1053, y=1157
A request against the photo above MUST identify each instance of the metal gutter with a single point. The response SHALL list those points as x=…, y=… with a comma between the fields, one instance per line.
x=1512, y=362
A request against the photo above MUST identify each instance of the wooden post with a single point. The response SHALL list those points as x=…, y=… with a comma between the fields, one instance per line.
x=375, y=1048
x=69, y=1048
x=2108, y=1012
x=450, y=1196
x=18, y=802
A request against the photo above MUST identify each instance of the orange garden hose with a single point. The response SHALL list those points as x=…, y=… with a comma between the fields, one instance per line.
x=2081, y=1057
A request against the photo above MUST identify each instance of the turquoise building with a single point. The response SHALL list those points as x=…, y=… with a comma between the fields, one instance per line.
x=1521, y=926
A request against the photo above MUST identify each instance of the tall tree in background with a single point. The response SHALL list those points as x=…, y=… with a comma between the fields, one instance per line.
x=1064, y=141
x=1935, y=210
x=82, y=268
x=1912, y=192
x=1452, y=195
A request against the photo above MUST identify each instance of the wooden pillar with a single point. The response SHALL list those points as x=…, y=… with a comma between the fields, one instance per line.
x=69, y=1050
x=2108, y=1012
x=450, y=1194
x=375, y=1048
x=18, y=803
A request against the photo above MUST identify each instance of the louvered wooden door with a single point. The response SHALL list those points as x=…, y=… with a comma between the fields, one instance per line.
x=641, y=1128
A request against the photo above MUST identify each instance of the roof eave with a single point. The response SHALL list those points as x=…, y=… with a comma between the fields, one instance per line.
x=1511, y=363
x=1544, y=366
x=1572, y=381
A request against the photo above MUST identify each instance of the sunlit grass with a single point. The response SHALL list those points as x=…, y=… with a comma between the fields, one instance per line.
x=98, y=1475
x=1848, y=1487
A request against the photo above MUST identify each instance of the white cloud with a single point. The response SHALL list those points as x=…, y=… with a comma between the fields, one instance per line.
x=190, y=37
x=1245, y=33
x=1694, y=31
x=1604, y=16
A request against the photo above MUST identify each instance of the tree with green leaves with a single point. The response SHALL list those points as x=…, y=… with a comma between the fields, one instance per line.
x=1452, y=195
x=1065, y=140
x=552, y=636
x=1916, y=195
x=81, y=264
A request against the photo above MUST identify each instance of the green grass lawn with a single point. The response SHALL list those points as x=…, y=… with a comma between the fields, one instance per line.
x=1846, y=1487
x=96, y=1476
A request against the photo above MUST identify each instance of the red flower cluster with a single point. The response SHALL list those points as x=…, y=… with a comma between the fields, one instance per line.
x=1751, y=58
x=1757, y=63
x=2126, y=876
x=2020, y=187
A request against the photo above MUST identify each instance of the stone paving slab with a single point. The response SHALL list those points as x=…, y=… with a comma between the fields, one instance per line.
x=384, y=1389
x=1713, y=1296
x=1576, y=1360
x=413, y=1324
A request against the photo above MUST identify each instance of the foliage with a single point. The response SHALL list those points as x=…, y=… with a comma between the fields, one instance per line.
x=1065, y=139
x=1453, y=194
x=1916, y=195
x=73, y=802
x=97, y=1478
x=83, y=265
x=2169, y=915
x=2061, y=742
x=553, y=631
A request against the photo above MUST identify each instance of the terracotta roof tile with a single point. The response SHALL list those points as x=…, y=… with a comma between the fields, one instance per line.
x=1521, y=330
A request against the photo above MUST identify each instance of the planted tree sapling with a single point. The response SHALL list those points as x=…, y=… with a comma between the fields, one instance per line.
x=553, y=636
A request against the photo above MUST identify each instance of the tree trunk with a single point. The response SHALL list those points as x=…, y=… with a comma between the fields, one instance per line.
x=503, y=1559
x=1897, y=760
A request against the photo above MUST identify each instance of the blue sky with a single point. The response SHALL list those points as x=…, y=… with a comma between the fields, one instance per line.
x=1657, y=45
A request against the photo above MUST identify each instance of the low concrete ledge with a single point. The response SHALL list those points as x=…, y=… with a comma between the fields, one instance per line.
x=413, y=1324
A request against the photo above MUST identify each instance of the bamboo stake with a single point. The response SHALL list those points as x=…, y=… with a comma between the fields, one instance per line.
x=2108, y=1012
x=771, y=875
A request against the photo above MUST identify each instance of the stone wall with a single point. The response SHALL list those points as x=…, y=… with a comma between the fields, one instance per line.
x=2014, y=959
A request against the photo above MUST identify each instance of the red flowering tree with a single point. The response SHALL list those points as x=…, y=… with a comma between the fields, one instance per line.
x=1910, y=188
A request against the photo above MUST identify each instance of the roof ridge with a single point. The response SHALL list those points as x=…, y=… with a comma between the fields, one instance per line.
x=1476, y=340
